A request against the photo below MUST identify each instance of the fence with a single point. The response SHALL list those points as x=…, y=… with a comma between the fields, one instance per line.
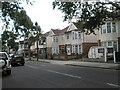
x=63, y=56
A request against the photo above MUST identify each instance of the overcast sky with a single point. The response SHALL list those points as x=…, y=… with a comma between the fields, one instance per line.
x=42, y=12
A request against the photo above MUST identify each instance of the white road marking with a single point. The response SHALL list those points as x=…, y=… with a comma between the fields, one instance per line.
x=32, y=67
x=64, y=74
x=113, y=85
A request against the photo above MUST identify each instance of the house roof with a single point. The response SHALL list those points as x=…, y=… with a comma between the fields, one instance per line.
x=45, y=34
x=56, y=31
x=79, y=24
x=59, y=32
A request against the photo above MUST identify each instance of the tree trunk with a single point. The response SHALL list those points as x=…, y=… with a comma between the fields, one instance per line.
x=29, y=53
x=37, y=51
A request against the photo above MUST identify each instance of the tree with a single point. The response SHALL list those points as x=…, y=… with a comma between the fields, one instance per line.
x=38, y=33
x=8, y=41
x=11, y=11
x=92, y=14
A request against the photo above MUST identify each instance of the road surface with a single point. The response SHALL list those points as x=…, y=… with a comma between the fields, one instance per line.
x=45, y=75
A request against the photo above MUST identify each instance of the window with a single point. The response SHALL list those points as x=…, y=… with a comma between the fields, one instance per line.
x=62, y=37
x=79, y=35
x=67, y=36
x=76, y=35
x=55, y=50
x=103, y=28
x=73, y=49
x=73, y=35
x=80, y=49
x=104, y=43
x=109, y=43
x=101, y=50
x=108, y=27
x=114, y=27
x=55, y=39
x=77, y=49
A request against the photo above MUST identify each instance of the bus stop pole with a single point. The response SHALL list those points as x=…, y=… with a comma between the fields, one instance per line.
x=114, y=57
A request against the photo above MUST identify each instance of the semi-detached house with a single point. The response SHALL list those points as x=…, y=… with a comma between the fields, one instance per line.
x=70, y=41
x=109, y=34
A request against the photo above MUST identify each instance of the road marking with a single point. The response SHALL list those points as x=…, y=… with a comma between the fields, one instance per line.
x=113, y=85
x=64, y=74
x=32, y=67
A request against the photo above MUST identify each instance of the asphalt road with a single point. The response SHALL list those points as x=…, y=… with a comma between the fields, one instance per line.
x=45, y=75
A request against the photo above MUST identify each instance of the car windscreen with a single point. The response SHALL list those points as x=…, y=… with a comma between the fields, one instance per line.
x=18, y=55
x=3, y=56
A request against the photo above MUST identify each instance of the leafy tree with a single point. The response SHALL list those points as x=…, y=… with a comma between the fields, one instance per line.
x=22, y=22
x=38, y=33
x=92, y=14
x=8, y=40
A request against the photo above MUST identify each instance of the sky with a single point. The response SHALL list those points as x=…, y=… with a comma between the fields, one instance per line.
x=42, y=12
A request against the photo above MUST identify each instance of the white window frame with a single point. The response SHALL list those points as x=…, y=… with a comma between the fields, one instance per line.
x=79, y=35
x=104, y=28
x=105, y=43
x=55, y=39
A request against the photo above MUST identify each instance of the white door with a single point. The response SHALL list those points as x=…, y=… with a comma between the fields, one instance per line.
x=68, y=51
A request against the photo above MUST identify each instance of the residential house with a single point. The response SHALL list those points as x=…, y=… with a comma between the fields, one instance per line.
x=23, y=46
x=109, y=34
x=70, y=41
x=41, y=46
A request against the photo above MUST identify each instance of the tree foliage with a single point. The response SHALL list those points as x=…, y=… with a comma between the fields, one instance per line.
x=22, y=24
x=93, y=14
x=8, y=40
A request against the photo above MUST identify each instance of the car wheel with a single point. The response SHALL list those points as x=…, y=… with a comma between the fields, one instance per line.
x=8, y=72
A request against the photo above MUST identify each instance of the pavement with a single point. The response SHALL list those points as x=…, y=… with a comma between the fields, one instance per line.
x=114, y=66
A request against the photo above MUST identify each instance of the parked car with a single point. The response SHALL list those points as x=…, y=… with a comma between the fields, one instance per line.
x=17, y=59
x=5, y=64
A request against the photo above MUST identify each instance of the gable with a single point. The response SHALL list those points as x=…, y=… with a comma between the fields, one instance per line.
x=71, y=27
x=51, y=33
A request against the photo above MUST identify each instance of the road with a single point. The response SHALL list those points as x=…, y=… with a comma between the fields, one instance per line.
x=45, y=75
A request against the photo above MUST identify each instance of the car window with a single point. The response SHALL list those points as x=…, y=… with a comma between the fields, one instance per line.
x=18, y=55
x=3, y=55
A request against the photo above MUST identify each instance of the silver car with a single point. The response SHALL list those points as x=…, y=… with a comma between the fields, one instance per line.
x=5, y=64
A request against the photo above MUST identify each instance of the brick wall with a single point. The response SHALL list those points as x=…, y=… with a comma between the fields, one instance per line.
x=86, y=47
x=49, y=50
